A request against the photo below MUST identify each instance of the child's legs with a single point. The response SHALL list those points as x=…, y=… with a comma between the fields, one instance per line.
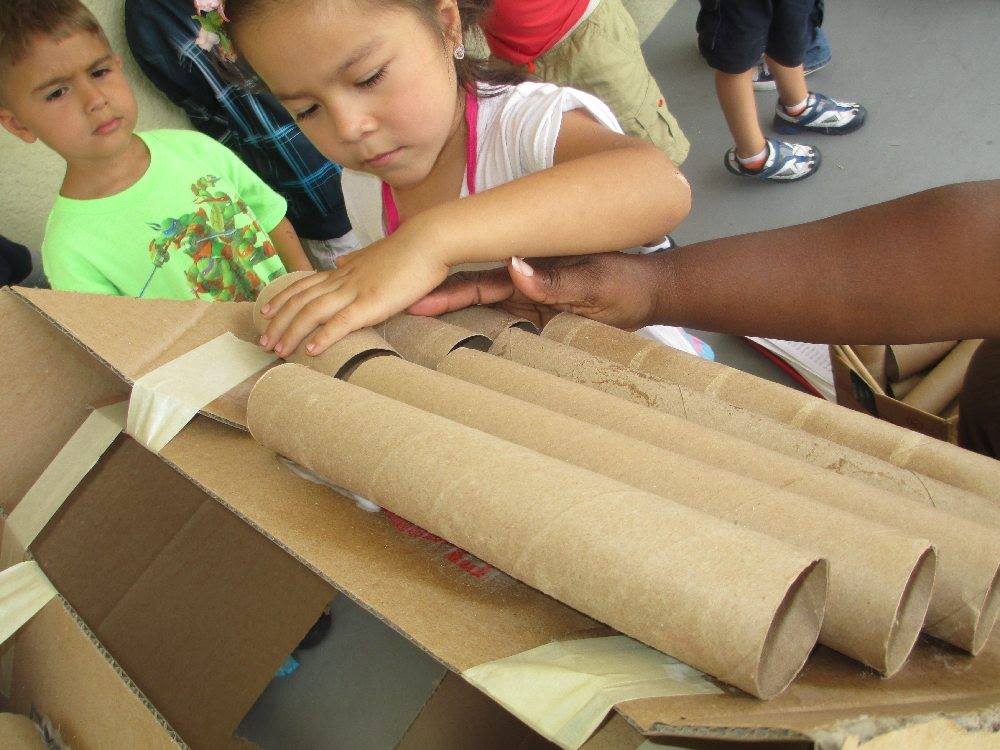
x=791, y=82
x=603, y=57
x=731, y=37
x=735, y=91
x=788, y=39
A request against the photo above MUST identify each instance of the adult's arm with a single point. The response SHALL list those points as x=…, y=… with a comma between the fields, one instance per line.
x=925, y=267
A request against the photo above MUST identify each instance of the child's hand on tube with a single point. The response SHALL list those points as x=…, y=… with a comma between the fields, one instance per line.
x=367, y=287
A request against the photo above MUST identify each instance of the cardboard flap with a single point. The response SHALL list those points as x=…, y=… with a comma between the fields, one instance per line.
x=48, y=385
x=196, y=607
x=134, y=336
x=66, y=677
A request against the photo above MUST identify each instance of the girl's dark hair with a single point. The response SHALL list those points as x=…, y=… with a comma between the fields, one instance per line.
x=470, y=71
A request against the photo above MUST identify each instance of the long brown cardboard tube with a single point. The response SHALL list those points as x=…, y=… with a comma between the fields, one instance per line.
x=966, y=597
x=427, y=341
x=904, y=360
x=339, y=358
x=486, y=321
x=880, y=578
x=581, y=367
x=943, y=383
x=740, y=606
x=905, y=448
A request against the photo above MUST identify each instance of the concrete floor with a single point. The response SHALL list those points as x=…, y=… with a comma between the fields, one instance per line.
x=926, y=71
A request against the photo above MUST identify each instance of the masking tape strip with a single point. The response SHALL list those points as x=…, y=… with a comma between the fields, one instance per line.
x=565, y=690
x=167, y=398
x=24, y=590
x=59, y=479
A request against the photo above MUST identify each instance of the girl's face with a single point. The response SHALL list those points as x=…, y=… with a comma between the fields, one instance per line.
x=373, y=88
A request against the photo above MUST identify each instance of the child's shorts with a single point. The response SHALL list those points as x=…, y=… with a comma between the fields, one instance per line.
x=603, y=57
x=733, y=34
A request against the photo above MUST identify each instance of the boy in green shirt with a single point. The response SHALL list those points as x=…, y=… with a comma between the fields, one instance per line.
x=164, y=214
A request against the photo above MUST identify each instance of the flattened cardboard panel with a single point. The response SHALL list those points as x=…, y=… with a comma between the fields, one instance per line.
x=194, y=604
x=134, y=336
x=48, y=382
x=212, y=618
x=458, y=717
x=61, y=672
x=831, y=690
x=123, y=514
x=459, y=619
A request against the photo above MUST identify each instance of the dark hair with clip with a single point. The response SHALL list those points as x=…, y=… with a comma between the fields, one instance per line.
x=23, y=21
x=470, y=71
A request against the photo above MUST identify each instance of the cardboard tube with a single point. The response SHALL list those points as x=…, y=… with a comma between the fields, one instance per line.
x=486, y=321
x=880, y=578
x=427, y=341
x=740, y=606
x=943, y=383
x=900, y=388
x=872, y=357
x=904, y=360
x=594, y=372
x=965, y=600
x=339, y=358
x=862, y=432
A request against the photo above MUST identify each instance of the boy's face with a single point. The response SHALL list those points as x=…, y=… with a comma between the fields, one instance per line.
x=72, y=95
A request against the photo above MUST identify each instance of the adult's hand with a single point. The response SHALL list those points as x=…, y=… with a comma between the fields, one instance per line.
x=614, y=288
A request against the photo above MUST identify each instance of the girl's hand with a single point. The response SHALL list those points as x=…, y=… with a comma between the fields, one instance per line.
x=367, y=287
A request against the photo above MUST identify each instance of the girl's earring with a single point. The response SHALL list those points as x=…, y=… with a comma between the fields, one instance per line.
x=459, y=52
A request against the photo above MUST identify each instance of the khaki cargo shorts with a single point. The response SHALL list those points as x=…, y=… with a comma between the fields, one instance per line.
x=602, y=57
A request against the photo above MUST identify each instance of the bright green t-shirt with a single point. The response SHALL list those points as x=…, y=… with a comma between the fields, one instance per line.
x=194, y=226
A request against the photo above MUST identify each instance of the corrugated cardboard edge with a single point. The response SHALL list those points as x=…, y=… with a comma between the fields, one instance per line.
x=122, y=675
x=111, y=662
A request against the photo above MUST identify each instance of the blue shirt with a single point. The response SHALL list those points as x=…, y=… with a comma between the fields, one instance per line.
x=161, y=36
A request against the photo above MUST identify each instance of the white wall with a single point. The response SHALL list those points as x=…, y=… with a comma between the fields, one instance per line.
x=30, y=175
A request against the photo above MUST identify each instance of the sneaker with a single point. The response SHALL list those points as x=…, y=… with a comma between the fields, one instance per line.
x=821, y=115
x=817, y=56
x=667, y=243
x=786, y=162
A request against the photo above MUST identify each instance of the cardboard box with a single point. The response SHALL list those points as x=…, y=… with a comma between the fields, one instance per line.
x=200, y=568
x=854, y=393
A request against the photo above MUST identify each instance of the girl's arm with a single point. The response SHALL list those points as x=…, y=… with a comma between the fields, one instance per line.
x=605, y=191
x=286, y=242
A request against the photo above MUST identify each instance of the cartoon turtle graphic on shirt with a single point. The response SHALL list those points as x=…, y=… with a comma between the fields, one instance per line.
x=222, y=255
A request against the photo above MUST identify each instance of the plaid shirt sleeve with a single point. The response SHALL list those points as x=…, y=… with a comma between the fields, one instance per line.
x=161, y=36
